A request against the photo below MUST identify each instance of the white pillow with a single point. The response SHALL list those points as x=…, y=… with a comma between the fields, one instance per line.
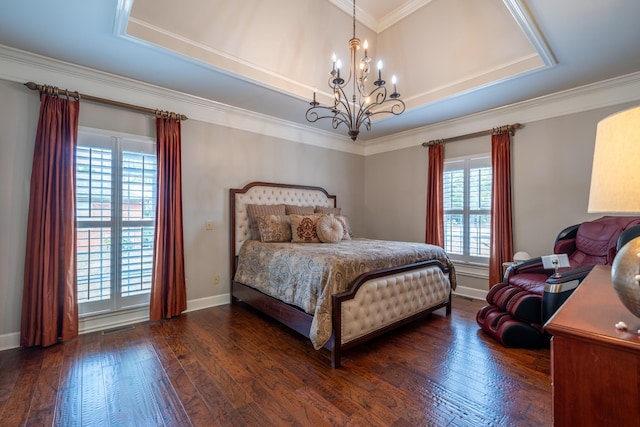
x=329, y=229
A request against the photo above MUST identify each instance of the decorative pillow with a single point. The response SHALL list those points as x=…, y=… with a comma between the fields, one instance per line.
x=254, y=211
x=329, y=229
x=325, y=210
x=274, y=228
x=304, y=228
x=345, y=225
x=298, y=210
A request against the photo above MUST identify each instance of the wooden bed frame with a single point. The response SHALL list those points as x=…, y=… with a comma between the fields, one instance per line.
x=347, y=306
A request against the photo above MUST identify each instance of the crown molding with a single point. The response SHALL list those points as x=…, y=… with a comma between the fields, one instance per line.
x=361, y=15
x=400, y=13
x=20, y=67
x=602, y=94
x=380, y=24
x=123, y=11
x=521, y=15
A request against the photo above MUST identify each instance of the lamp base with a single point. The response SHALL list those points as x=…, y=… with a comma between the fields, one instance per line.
x=624, y=276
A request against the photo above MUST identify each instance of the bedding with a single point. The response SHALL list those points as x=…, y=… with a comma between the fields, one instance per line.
x=307, y=274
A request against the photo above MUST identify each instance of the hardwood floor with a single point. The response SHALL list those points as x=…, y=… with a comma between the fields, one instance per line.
x=231, y=366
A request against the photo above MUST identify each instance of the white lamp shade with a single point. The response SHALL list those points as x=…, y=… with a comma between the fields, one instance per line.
x=521, y=256
x=615, y=176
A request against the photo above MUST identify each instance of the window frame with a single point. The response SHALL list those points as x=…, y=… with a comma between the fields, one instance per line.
x=117, y=143
x=468, y=163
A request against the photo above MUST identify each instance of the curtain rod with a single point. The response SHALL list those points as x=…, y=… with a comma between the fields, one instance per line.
x=56, y=91
x=507, y=128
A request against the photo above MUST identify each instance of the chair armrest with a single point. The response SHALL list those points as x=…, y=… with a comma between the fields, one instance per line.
x=558, y=288
x=532, y=265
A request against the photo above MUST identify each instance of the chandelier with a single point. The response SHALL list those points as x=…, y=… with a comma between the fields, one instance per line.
x=357, y=109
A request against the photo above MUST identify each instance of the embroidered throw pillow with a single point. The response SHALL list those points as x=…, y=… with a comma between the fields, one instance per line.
x=304, y=228
x=274, y=228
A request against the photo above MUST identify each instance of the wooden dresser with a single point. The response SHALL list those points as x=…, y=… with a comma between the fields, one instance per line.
x=594, y=367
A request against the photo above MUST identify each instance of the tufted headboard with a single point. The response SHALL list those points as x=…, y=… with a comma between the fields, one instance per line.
x=266, y=193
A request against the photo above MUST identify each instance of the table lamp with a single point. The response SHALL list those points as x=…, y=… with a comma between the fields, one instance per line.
x=615, y=188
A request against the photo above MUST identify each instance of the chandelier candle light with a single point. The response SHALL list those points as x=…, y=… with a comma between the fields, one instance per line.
x=356, y=110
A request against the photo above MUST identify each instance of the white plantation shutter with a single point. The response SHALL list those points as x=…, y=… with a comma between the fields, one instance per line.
x=138, y=214
x=115, y=213
x=467, y=208
x=93, y=215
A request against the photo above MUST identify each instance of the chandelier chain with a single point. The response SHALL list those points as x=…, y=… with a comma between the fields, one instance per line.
x=354, y=19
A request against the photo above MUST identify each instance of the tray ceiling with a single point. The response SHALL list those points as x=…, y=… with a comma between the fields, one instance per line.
x=437, y=49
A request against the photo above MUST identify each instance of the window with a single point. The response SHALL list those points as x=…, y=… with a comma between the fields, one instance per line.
x=467, y=209
x=115, y=215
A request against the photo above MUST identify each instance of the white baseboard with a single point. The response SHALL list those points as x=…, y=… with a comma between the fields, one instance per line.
x=472, y=293
x=114, y=320
x=8, y=341
x=199, y=304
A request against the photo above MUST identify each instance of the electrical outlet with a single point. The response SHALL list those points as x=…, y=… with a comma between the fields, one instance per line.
x=208, y=225
x=216, y=280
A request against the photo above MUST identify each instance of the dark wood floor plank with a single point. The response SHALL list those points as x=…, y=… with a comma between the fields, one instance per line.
x=232, y=366
x=12, y=364
x=259, y=366
x=309, y=397
x=189, y=396
x=16, y=409
x=256, y=367
x=94, y=409
x=42, y=410
x=69, y=399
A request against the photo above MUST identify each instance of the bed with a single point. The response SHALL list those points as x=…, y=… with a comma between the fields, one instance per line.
x=338, y=294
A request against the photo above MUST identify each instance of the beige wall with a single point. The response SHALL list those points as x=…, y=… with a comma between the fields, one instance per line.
x=551, y=172
x=215, y=158
x=18, y=119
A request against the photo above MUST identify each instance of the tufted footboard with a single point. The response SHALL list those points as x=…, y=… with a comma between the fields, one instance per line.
x=383, y=300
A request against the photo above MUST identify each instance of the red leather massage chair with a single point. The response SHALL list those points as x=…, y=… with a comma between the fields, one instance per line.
x=529, y=295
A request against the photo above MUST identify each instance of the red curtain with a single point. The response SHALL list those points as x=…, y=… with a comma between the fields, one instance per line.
x=49, y=305
x=168, y=290
x=501, y=226
x=434, y=233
